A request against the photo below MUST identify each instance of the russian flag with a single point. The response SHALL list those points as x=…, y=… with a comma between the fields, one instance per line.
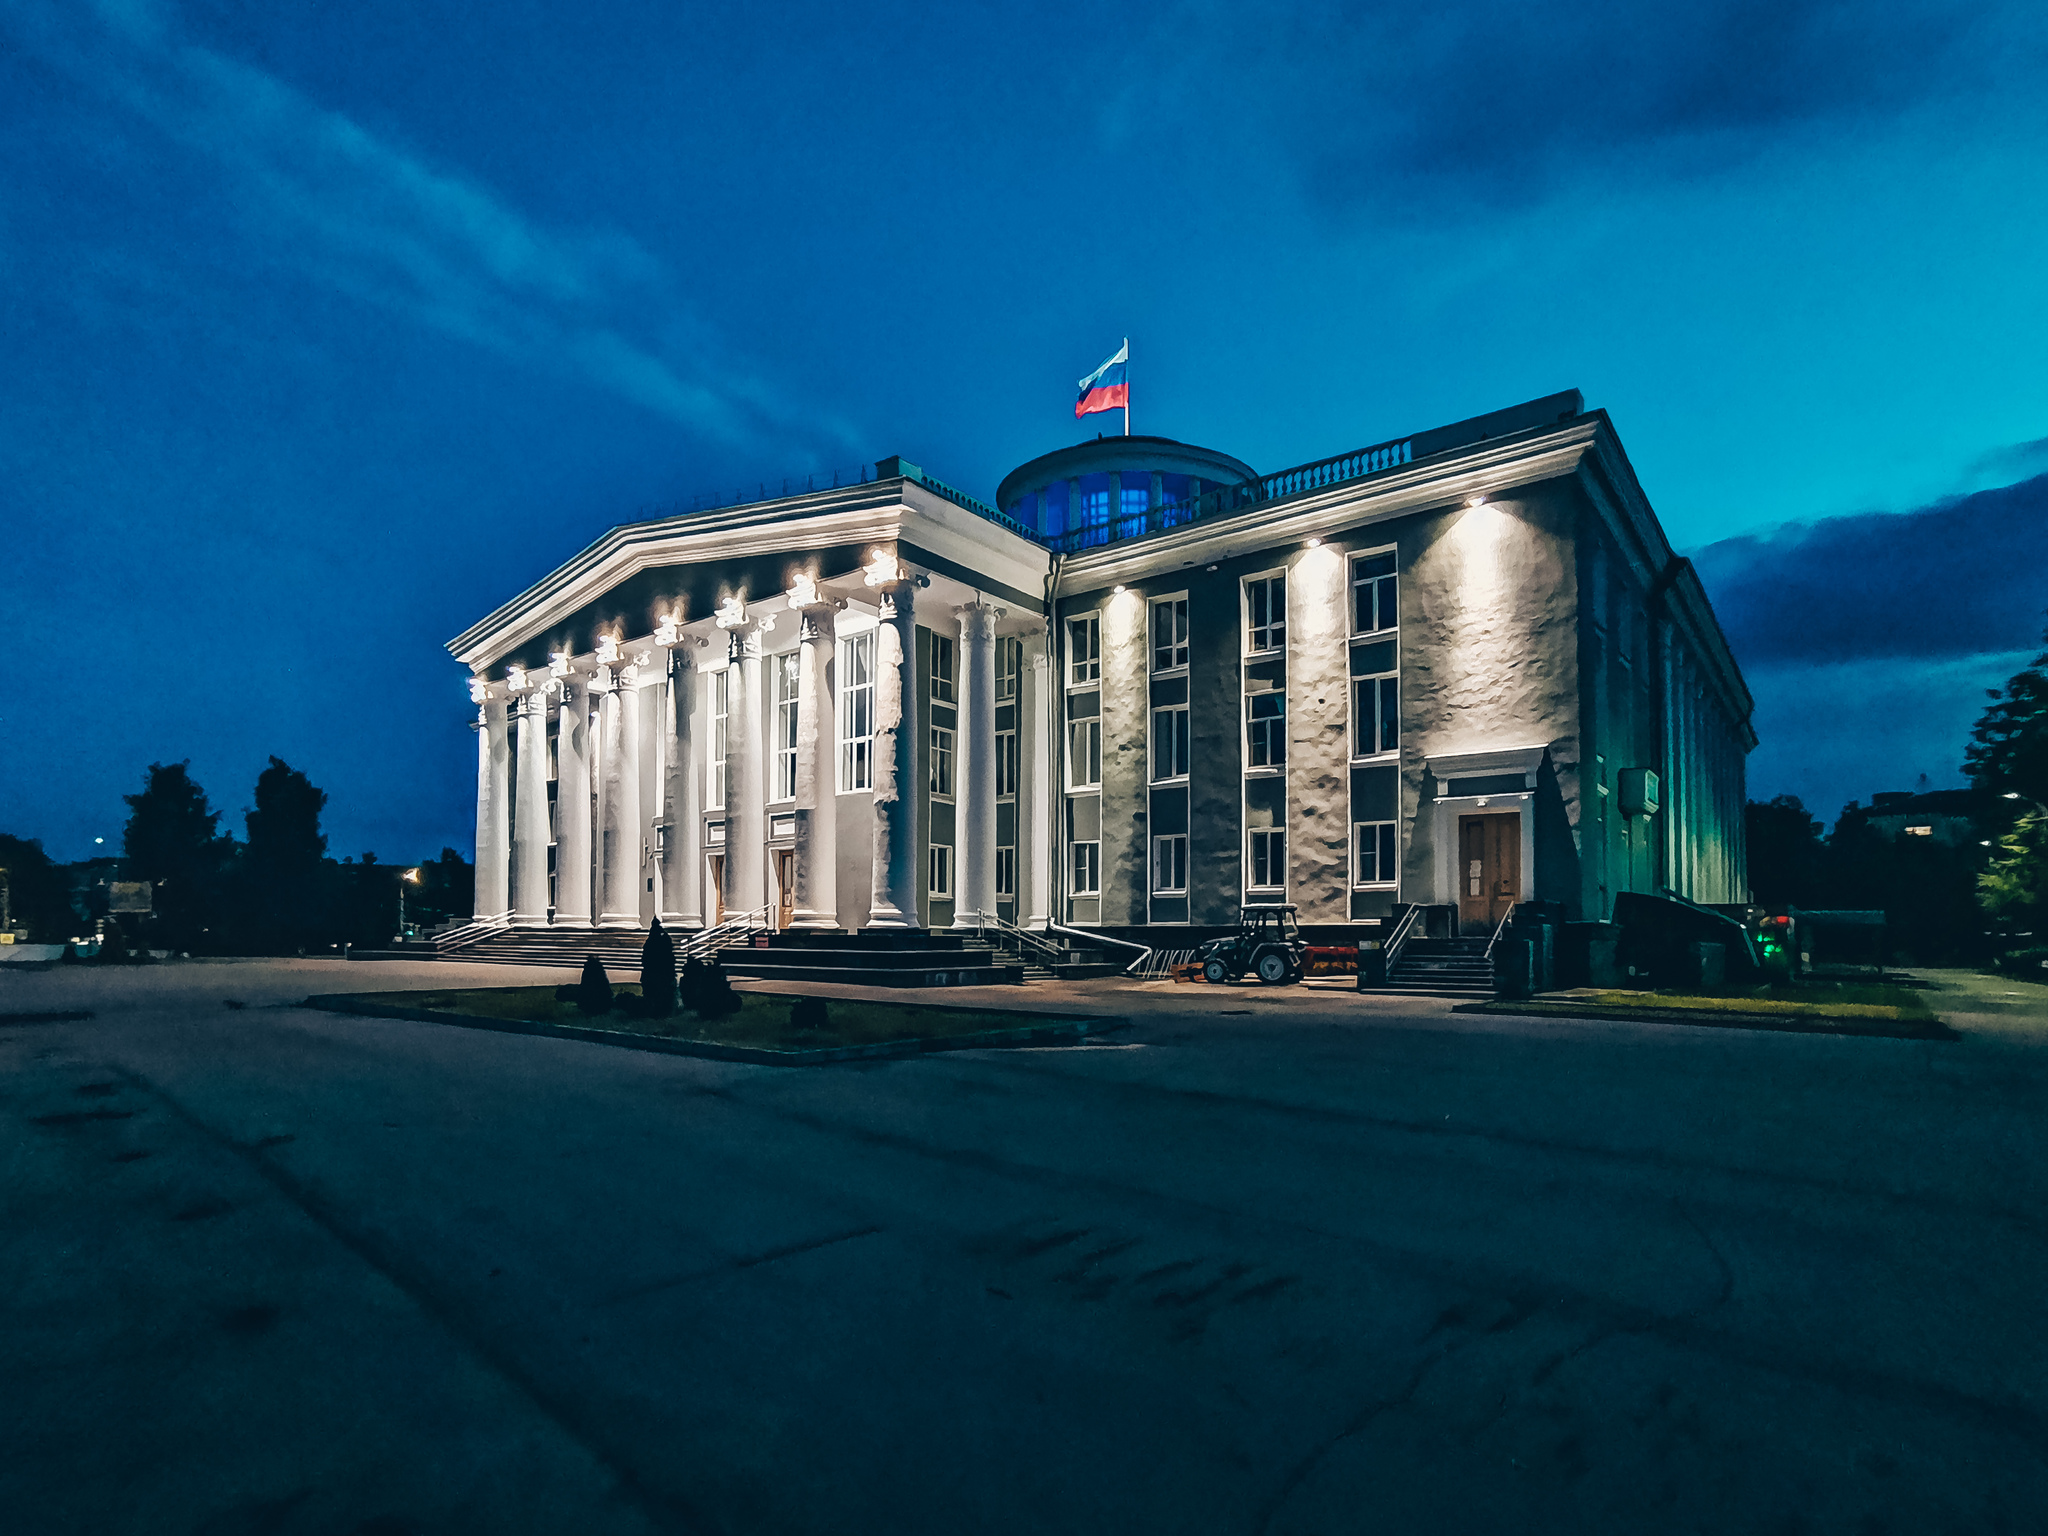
x=1106, y=389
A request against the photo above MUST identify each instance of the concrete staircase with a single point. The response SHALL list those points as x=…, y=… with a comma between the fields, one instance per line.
x=1454, y=968
x=873, y=958
x=617, y=949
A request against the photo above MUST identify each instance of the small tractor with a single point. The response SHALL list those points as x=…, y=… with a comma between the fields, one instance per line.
x=1267, y=944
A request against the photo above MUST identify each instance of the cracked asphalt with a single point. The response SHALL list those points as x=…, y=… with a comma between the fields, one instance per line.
x=1262, y=1262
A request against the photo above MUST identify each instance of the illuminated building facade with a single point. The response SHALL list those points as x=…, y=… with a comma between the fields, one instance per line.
x=1459, y=669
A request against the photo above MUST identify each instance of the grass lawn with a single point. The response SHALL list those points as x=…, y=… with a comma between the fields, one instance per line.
x=762, y=1023
x=1810, y=999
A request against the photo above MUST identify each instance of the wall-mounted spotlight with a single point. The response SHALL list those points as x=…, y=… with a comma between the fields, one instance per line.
x=1475, y=501
x=1315, y=543
x=1116, y=591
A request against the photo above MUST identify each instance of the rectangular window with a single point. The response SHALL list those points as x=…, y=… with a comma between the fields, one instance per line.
x=785, y=667
x=1084, y=754
x=1170, y=865
x=942, y=761
x=942, y=669
x=1375, y=715
x=1009, y=663
x=1006, y=872
x=1136, y=501
x=1170, y=743
x=1268, y=862
x=1170, y=634
x=1085, y=861
x=1372, y=845
x=857, y=712
x=1006, y=765
x=1084, y=650
x=720, y=692
x=941, y=872
x=1374, y=607
x=1265, y=729
x=1265, y=614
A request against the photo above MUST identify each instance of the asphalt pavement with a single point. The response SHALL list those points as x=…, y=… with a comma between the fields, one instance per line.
x=1265, y=1261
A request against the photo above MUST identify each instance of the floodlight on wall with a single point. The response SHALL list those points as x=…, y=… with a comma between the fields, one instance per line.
x=1314, y=543
x=1475, y=501
x=1116, y=591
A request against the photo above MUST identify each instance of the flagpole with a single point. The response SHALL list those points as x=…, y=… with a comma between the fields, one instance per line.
x=1127, y=386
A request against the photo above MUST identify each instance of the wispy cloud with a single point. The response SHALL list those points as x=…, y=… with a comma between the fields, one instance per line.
x=375, y=220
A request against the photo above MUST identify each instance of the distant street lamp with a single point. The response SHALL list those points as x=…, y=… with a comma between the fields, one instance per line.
x=410, y=877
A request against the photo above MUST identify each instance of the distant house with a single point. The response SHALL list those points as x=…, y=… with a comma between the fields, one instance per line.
x=1147, y=686
x=1943, y=816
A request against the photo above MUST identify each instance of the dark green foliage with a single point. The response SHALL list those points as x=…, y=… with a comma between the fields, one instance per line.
x=37, y=898
x=808, y=1013
x=594, y=989
x=690, y=984
x=2009, y=748
x=1787, y=859
x=172, y=841
x=715, y=997
x=286, y=902
x=658, y=973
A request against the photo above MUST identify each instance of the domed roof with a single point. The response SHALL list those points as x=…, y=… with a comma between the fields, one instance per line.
x=1129, y=455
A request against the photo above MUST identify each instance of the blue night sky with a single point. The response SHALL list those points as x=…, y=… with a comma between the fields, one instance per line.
x=329, y=327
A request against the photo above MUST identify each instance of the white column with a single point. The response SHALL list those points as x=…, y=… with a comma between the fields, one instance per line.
x=817, y=772
x=1038, y=817
x=572, y=805
x=682, y=897
x=746, y=791
x=619, y=797
x=530, y=814
x=650, y=701
x=975, y=765
x=493, y=834
x=894, y=903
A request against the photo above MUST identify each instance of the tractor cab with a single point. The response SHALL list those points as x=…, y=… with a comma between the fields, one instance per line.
x=1267, y=944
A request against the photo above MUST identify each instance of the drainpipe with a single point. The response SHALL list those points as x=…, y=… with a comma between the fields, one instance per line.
x=1660, y=673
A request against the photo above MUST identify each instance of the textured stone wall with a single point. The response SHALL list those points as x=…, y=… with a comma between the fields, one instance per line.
x=1318, y=735
x=1126, y=720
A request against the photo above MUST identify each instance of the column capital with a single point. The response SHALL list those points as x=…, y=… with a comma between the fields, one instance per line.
x=978, y=615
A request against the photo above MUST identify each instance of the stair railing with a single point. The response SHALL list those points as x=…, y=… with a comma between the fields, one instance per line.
x=1505, y=918
x=1095, y=937
x=1013, y=937
x=452, y=939
x=737, y=926
x=1403, y=932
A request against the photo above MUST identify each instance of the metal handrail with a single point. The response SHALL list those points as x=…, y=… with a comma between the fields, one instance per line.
x=1502, y=928
x=737, y=926
x=1402, y=933
x=1094, y=937
x=452, y=939
x=984, y=921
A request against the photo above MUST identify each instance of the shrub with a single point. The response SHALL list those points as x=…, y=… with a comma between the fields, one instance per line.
x=715, y=997
x=594, y=989
x=690, y=984
x=658, y=973
x=808, y=1014
x=113, y=946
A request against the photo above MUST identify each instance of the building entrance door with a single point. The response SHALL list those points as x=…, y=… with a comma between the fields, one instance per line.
x=785, y=886
x=717, y=862
x=1489, y=868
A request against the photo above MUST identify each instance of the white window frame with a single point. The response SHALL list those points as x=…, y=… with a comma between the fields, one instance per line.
x=1177, y=646
x=1006, y=765
x=1271, y=724
x=1393, y=578
x=1084, y=671
x=1006, y=873
x=1254, y=836
x=1165, y=768
x=1386, y=850
x=942, y=762
x=856, y=710
x=717, y=744
x=1377, y=747
x=944, y=649
x=786, y=670
x=1264, y=581
x=1170, y=853
x=939, y=872
x=1084, y=759
x=1084, y=863
x=1009, y=667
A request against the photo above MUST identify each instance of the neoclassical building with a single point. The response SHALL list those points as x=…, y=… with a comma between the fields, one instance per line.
x=1143, y=688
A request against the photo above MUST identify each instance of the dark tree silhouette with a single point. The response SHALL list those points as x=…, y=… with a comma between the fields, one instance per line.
x=1787, y=859
x=287, y=899
x=171, y=840
x=38, y=897
x=2008, y=750
x=594, y=988
x=658, y=973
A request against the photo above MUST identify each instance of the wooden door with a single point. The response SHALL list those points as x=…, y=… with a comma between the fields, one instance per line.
x=785, y=886
x=1489, y=868
x=718, y=888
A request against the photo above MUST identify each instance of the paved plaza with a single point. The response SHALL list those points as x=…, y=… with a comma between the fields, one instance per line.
x=1289, y=1261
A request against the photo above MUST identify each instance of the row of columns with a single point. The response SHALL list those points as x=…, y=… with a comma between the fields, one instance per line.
x=648, y=751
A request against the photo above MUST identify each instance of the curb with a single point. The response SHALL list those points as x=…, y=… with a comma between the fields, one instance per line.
x=1791, y=1024
x=1068, y=1029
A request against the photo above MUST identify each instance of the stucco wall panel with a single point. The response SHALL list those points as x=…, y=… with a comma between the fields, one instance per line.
x=1318, y=750
x=1126, y=714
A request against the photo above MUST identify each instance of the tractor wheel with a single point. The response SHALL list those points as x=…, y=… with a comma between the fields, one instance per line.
x=1273, y=968
x=1215, y=971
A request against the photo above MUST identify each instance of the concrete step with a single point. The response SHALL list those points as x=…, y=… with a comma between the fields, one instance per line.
x=968, y=975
